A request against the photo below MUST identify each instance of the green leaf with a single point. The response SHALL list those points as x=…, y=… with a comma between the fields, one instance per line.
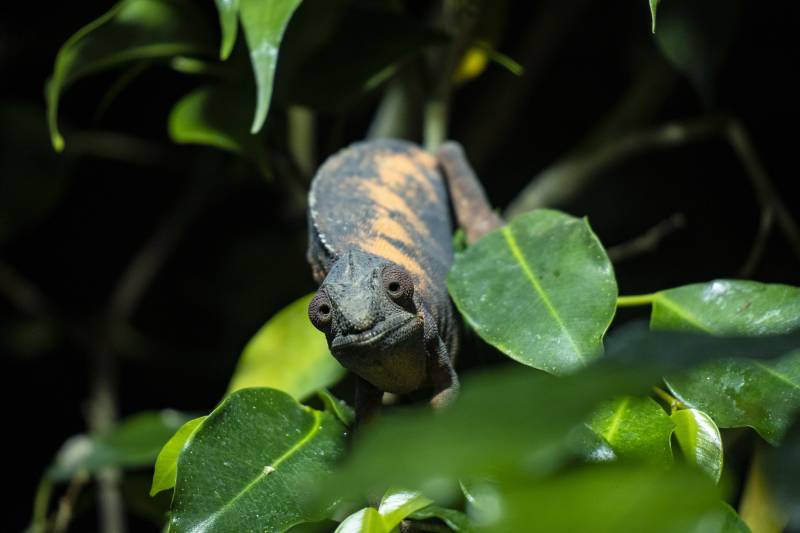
x=653, y=9
x=635, y=428
x=455, y=520
x=394, y=507
x=337, y=407
x=166, y=468
x=428, y=447
x=541, y=290
x=135, y=442
x=264, y=24
x=398, y=504
x=367, y=520
x=250, y=463
x=744, y=393
x=699, y=439
x=218, y=117
x=228, y=21
x=727, y=307
x=608, y=498
x=132, y=30
x=737, y=392
x=722, y=520
x=288, y=354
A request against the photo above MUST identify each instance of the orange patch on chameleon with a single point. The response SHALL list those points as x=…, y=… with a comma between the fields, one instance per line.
x=400, y=171
x=389, y=200
x=383, y=248
x=388, y=227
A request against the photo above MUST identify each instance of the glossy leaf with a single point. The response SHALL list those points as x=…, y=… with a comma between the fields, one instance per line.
x=263, y=24
x=608, y=498
x=653, y=12
x=135, y=442
x=699, y=439
x=737, y=393
x=745, y=393
x=132, y=30
x=218, y=117
x=260, y=450
x=337, y=407
x=229, y=22
x=166, y=468
x=366, y=520
x=541, y=290
x=394, y=507
x=728, y=307
x=398, y=504
x=288, y=354
x=635, y=428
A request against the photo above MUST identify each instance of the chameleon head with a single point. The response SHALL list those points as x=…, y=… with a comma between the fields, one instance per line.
x=367, y=310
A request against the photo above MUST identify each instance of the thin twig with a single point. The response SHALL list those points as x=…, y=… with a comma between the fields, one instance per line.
x=66, y=505
x=739, y=139
x=564, y=179
x=124, y=300
x=648, y=241
x=759, y=243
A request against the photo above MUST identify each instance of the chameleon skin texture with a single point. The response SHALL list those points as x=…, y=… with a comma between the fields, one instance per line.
x=373, y=204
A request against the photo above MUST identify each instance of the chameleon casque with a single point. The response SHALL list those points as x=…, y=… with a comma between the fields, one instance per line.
x=380, y=237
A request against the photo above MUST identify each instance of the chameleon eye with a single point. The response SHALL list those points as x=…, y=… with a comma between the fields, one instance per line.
x=397, y=282
x=320, y=311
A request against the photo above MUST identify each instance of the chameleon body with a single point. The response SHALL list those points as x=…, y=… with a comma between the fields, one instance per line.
x=380, y=238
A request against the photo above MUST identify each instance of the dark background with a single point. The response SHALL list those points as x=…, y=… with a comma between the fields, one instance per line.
x=71, y=224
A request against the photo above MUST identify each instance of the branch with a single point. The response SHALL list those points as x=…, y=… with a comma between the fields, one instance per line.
x=648, y=241
x=565, y=178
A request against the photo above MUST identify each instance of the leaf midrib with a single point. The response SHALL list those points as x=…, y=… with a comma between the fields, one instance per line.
x=537, y=287
x=267, y=470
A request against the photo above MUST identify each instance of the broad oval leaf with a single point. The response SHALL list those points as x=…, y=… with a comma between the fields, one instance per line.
x=541, y=290
x=166, y=468
x=728, y=307
x=250, y=463
x=699, y=439
x=745, y=393
x=288, y=354
x=134, y=442
x=763, y=395
x=132, y=30
x=635, y=428
x=263, y=24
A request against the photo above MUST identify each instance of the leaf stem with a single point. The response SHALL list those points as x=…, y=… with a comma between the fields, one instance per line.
x=636, y=300
x=671, y=400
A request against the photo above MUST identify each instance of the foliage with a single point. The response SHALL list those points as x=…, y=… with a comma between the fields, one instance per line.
x=587, y=425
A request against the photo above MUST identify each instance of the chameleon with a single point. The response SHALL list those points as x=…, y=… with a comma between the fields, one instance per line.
x=380, y=247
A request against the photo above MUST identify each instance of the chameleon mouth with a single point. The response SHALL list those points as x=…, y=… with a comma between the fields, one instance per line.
x=375, y=335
